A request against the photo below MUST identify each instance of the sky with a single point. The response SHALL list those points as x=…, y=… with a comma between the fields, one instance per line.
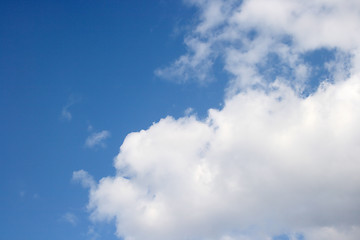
x=183, y=120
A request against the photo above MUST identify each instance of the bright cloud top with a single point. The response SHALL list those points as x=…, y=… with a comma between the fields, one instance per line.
x=96, y=139
x=270, y=161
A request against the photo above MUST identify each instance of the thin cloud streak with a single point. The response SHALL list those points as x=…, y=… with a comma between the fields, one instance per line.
x=65, y=112
x=97, y=139
x=70, y=218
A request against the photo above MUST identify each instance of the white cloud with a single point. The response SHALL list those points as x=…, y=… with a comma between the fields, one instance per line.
x=270, y=161
x=97, y=139
x=84, y=178
x=257, y=167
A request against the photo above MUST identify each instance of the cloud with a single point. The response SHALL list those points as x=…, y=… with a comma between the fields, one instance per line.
x=92, y=233
x=97, y=139
x=188, y=111
x=84, y=178
x=70, y=218
x=65, y=113
x=281, y=156
x=256, y=168
x=245, y=37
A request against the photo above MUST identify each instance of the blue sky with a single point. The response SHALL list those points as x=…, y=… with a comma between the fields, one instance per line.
x=99, y=60
x=224, y=102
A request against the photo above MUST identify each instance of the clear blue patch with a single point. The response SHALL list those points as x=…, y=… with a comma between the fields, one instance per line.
x=287, y=40
x=252, y=34
x=297, y=236
x=319, y=73
x=274, y=67
x=281, y=237
x=319, y=56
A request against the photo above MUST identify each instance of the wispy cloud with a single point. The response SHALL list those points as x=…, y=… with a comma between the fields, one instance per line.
x=70, y=218
x=65, y=112
x=92, y=233
x=97, y=139
x=188, y=111
x=22, y=193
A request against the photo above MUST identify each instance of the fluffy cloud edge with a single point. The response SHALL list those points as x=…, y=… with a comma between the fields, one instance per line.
x=263, y=165
x=269, y=162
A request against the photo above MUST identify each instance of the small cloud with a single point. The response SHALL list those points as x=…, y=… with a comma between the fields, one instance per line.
x=28, y=195
x=97, y=139
x=70, y=218
x=65, y=113
x=84, y=178
x=188, y=111
x=92, y=233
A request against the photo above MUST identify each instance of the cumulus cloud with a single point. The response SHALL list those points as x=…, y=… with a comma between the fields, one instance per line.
x=257, y=167
x=273, y=160
x=96, y=139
